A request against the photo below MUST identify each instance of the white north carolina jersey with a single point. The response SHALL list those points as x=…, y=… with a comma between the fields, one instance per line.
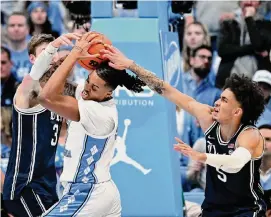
x=89, y=147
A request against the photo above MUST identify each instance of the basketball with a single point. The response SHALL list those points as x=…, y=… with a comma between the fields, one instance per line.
x=93, y=63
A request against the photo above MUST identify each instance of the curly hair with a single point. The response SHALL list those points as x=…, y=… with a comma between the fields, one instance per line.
x=114, y=77
x=249, y=95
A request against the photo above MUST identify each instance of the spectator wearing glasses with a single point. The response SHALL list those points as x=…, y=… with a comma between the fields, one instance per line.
x=197, y=84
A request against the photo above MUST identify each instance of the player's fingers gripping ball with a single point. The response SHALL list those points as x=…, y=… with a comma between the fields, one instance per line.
x=93, y=62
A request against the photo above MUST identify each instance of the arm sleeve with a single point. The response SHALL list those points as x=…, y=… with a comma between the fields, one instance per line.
x=230, y=163
x=95, y=118
x=42, y=62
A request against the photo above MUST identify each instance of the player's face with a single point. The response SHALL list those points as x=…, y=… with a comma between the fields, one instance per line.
x=227, y=108
x=17, y=29
x=194, y=36
x=38, y=16
x=95, y=88
x=6, y=66
x=266, y=133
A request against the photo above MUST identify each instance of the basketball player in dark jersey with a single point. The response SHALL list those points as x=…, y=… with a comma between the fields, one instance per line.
x=234, y=145
x=30, y=180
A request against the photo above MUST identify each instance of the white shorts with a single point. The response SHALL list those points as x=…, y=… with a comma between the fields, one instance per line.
x=88, y=200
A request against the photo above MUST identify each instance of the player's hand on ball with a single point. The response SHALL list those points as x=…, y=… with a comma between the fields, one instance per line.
x=188, y=151
x=66, y=39
x=82, y=45
x=117, y=60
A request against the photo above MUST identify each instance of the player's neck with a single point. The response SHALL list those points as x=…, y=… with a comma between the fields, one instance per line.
x=227, y=131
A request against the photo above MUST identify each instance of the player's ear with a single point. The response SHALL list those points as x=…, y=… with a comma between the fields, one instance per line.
x=109, y=94
x=238, y=112
x=32, y=58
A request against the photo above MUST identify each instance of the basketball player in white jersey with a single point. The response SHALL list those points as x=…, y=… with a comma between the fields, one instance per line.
x=89, y=190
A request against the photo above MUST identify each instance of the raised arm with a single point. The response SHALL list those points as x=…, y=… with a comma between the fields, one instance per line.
x=52, y=96
x=30, y=86
x=201, y=111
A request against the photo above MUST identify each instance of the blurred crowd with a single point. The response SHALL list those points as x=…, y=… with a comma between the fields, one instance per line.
x=217, y=38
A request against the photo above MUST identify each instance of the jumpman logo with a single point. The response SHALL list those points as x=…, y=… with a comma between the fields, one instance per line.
x=121, y=155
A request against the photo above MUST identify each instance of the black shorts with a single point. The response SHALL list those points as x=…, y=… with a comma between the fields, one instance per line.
x=29, y=204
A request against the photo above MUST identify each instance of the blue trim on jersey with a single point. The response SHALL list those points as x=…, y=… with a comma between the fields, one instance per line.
x=93, y=149
x=73, y=201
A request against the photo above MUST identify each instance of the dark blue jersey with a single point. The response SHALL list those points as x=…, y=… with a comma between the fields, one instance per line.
x=231, y=192
x=35, y=136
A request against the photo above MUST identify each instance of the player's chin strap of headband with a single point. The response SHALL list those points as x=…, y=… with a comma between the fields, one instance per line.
x=42, y=62
x=230, y=163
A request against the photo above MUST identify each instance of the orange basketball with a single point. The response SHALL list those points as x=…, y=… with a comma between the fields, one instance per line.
x=93, y=63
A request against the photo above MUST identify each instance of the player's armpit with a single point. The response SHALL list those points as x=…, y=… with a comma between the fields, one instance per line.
x=252, y=141
x=65, y=106
x=25, y=92
x=203, y=113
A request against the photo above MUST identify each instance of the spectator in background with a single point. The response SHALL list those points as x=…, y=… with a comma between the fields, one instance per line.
x=17, y=31
x=9, y=85
x=244, y=43
x=215, y=9
x=38, y=19
x=196, y=171
x=197, y=84
x=263, y=78
x=195, y=35
x=265, y=130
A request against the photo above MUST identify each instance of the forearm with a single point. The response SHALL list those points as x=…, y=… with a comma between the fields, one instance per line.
x=149, y=78
x=254, y=35
x=42, y=62
x=55, y=85
x=229, y=163
x=163, y=88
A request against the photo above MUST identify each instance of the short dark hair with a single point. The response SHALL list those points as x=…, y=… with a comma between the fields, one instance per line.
x=18, y=13
x=7, y=51
x=206, y=47
x=114, y=77
x=249, y=95
x=37, y=40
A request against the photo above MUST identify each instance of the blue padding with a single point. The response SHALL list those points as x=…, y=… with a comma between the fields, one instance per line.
x=101, y=9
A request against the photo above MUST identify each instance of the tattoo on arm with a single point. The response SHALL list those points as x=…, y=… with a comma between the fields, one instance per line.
x=69, y=89
x=149, y=78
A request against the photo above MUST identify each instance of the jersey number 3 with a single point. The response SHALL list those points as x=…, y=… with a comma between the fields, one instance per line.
x=54, y=139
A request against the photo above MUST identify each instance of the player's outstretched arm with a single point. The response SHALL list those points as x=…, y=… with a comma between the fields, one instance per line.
x=201, y=111
x=249, y=145
x=30, y=87
x=51, y=96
